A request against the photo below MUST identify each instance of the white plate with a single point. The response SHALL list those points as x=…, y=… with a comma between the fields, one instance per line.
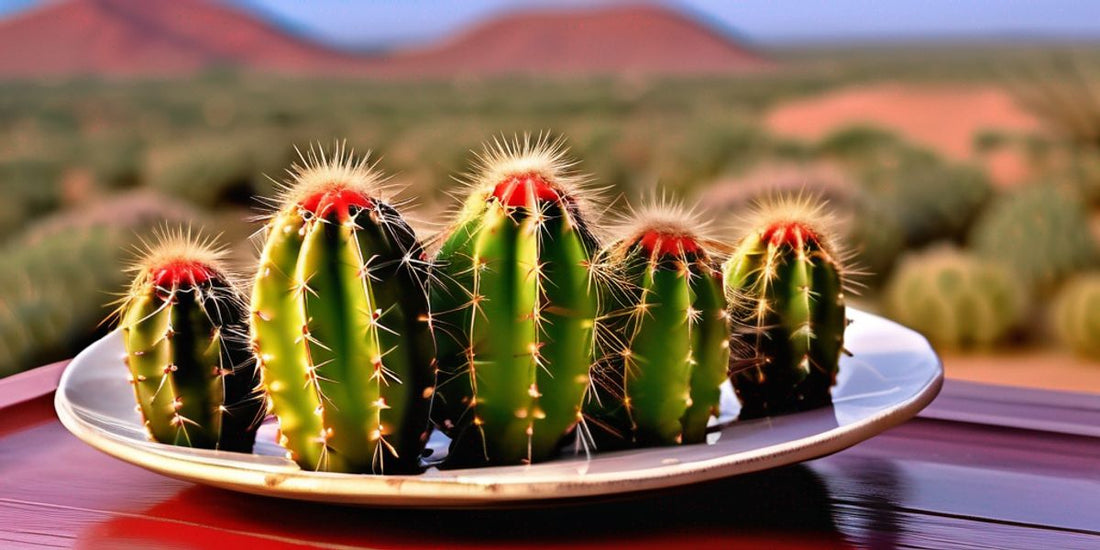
x=893, y=374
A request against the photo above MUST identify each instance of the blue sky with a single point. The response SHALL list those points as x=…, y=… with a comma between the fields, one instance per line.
x=393, y=22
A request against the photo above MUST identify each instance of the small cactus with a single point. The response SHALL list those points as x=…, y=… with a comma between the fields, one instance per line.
x=340, y=322
x=662, y=387
x=517, y=308
x=955, y=299
x=785, y=285
x=183, y=327
x=1077, y=315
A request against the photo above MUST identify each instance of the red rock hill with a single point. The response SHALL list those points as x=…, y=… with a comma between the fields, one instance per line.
x=151, y=37
x=620, y=39
x=172, y=37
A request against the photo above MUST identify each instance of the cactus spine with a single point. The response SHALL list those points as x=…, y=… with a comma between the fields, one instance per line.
x=183, y=329
x=785, y=287
x=517, y=308
x=663, y=386
x=340, y=322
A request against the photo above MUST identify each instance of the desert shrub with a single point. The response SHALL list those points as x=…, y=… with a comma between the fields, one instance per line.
x=115, y=161
x=930, y=198
x=61, y=272
x=31, y=188
x=216, y=170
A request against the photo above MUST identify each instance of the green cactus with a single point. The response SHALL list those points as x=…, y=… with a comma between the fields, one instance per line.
x=662, y=387
x=517, y=308
x=1041, y=232
x=340, y=322
x=955, y=299
x=785, y=285
x=1077, y=315
x=184, y=330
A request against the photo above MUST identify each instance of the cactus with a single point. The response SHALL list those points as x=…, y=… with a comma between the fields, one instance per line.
x=785, y=285
x=517, y=308
x=340, y=322
x=186, y=343
x=1077, y=315
x=955, y=299
x=1041, y=232
x=663, y=386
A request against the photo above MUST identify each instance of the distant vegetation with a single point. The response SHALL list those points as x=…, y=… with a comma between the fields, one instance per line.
x=199, y=150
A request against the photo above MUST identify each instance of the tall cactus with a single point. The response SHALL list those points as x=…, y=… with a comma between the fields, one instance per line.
x=184, y=330
x=517, y=308
x=340, y=322
x=785, y=284
x=662, y=387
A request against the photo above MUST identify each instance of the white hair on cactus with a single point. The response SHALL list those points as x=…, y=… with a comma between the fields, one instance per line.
x=317, y=172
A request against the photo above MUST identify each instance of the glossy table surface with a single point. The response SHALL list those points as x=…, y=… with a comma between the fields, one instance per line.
x=982, y=467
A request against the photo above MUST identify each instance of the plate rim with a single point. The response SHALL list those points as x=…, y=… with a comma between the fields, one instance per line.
x=473, y=490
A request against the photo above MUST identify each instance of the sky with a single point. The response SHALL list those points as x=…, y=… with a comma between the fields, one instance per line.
x=388, y=23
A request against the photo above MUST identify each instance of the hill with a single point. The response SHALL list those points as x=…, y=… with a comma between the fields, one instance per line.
x=618, y=39
x=152, y=37
x=173, y=37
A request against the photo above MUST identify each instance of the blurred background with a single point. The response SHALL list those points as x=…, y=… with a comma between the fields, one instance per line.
x=958, y=143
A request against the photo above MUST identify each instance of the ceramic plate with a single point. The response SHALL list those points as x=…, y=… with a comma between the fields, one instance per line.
x=892, y=375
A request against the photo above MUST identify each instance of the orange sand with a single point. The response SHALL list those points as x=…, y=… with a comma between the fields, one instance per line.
x=942, y=117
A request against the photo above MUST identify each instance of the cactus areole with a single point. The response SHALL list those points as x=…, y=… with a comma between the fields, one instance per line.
x=784, y=284
x=183, y=329
x=340, y=323
x=517, y=307
x=662, y=385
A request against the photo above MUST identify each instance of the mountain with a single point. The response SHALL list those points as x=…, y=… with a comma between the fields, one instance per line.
x=152, y=37
x=174, y=37
x=615, y=39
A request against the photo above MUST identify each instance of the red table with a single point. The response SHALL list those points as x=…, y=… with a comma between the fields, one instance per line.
x=982, y=467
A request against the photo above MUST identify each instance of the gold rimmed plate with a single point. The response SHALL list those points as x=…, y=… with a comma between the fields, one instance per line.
x=892, y=374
